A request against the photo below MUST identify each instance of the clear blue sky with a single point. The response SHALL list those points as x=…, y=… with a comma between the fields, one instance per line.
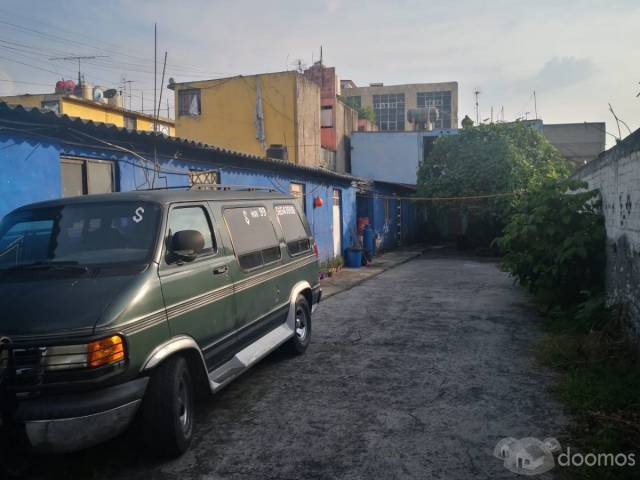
x=577, y=55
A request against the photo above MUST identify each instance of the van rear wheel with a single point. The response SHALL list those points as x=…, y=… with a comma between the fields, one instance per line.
x=298, y=344
x=168, y=409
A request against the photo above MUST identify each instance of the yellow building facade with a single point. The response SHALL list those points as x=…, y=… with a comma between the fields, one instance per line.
x=90, y=110
x=250, y=114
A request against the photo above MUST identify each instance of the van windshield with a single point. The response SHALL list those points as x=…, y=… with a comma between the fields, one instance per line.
x=79, y=234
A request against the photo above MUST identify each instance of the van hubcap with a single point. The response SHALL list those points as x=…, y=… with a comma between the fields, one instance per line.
x=301, y=324
x=184, y=407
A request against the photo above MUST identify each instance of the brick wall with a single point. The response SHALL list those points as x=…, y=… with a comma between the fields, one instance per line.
x=616, y=173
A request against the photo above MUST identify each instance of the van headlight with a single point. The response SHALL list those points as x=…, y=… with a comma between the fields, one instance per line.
x=98, y=353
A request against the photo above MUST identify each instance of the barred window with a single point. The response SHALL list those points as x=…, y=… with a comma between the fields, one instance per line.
x=203, y=179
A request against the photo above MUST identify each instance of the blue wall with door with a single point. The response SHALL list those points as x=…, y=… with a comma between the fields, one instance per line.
x=30, y=172
x=379, y=205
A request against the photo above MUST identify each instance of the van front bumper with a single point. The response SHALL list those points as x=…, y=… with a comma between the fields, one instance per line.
x=71, y=422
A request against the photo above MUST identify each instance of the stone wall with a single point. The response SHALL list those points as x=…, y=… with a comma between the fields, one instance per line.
x=616, y=173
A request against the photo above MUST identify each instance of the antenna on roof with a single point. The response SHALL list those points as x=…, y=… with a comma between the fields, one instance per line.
x=79, y=58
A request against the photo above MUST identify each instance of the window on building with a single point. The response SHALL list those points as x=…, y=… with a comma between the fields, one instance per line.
x=439, y=100
x=328, y=158
x=253, y=236
x=130, y=122
x=355, y=102
x=189, y=102
x=193, y=218
x=389, y=109
x=326, y=117
x=203, y=179
x=297, y=190
x=83, y=177
x=295, y=234
x=51, y=105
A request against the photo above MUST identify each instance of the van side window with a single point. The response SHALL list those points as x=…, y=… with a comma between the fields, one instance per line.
x=294, y=232
x=254, y=238
x=193, y=218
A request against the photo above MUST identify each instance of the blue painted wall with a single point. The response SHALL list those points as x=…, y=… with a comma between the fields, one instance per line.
x=29, y=172
x=371, y=204
x=389, y=156
x=320, y=218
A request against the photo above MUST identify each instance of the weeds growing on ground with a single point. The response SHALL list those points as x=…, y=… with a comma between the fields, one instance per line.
x=600, y=383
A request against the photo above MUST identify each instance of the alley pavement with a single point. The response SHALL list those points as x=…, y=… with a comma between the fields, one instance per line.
x=414, y=374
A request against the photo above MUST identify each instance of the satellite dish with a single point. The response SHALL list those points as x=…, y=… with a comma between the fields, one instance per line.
x=98, y=94
x=112, y=92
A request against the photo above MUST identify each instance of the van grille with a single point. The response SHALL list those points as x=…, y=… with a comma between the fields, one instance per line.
x=24, y=369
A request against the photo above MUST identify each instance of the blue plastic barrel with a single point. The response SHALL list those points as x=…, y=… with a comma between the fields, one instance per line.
x=368, y=239
x=354, y=257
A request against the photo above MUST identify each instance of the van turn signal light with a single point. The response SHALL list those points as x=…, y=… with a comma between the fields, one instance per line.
x=105, y=351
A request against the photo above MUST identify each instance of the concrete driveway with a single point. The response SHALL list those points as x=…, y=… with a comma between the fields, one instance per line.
x=415, y=374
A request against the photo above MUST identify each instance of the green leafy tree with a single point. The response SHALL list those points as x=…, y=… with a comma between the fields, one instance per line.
x=487, y=160
x=367, y=113
x=554, y=244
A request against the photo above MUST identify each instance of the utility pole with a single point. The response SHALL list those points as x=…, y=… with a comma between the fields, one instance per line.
x=535, y=104
x=155, y=74
x=161, y=87
x=79, y=58
x=477, y=93
x=491, y=113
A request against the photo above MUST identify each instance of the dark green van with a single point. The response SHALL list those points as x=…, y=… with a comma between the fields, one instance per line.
x=122, y=305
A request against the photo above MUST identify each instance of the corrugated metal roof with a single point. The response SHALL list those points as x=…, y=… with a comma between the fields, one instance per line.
x=25, y=118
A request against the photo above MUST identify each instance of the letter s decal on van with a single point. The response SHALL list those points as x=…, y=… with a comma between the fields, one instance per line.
x=138, y=216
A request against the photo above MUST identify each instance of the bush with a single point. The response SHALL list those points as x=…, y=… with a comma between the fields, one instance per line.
x=555, y=243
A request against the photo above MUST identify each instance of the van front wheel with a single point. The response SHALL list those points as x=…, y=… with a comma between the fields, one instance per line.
x=302, y=330
x=167, y=412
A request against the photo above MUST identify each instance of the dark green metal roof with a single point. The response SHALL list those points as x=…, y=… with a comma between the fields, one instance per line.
x=24, y=119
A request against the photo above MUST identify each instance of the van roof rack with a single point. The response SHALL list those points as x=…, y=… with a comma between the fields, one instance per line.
x=215, y=186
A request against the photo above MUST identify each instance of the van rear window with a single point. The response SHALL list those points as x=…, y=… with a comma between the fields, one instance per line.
x=294, y=232
x=254, y=238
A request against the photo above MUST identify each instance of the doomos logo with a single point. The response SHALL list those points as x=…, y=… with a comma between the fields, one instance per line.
x=527, y=456
x=530, y=456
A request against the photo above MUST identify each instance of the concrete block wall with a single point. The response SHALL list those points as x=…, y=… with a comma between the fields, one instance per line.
x=616, y=173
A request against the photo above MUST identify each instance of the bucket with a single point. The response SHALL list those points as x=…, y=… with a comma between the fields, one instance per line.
x=354, y=257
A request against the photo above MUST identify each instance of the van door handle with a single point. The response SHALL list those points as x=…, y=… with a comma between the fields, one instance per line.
x=220, y=270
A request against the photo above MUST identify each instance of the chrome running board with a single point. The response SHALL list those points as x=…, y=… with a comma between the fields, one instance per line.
x=249, y=356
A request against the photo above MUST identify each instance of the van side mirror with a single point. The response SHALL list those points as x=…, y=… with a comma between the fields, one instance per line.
x=187, y=244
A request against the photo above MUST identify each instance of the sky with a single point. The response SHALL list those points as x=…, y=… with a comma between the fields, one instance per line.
x=578, y=56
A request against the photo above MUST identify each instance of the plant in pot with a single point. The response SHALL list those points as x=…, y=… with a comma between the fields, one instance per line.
x=339, y=262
